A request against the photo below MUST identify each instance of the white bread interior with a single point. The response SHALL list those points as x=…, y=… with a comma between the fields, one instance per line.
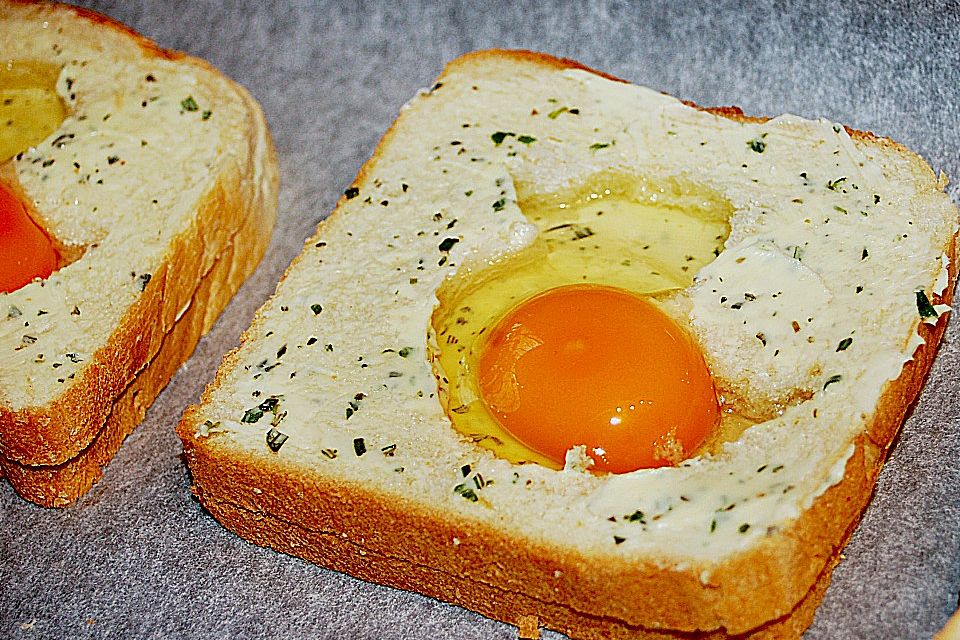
x=740, y=542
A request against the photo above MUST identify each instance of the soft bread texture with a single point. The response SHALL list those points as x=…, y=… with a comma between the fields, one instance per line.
x=167, y=188
x=740, y=543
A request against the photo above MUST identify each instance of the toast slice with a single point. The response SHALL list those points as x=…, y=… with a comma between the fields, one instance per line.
x=160, y=188
x=327, y=434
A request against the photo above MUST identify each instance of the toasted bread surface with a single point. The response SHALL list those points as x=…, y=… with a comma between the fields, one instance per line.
x=558, y=544
x=155, y=172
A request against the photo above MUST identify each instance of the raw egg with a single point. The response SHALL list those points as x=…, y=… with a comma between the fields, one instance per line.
x=579, y=340
x=600, y=367
x=30, y=110
x=25, y=250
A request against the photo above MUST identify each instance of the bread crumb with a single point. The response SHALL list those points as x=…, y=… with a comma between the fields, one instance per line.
x=529, y=628
x=577, y=459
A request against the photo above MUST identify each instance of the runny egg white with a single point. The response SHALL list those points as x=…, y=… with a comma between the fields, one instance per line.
x=578, y=345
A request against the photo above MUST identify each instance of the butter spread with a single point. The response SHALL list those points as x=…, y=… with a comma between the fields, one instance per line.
x=116, y=182
x=807, y=312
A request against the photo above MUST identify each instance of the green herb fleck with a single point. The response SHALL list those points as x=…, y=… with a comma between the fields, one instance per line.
x=275, y=439
x=526, y=139
x=831, y=380
x=833, y=184
x=500, y=204
x=556, y=112
x=447, y=244
x=757, y=145
x=596, y=146
x=924, y=307
x=189, y=104
x=500, y=136
x=206, y=115
x=404, y=352
x=743, y=528
x=254, y=414
x=618, y=540
x=846, y=342
x=316, y=308
x=466, y=492
x=351, y=193
x=636, y=516
x=359, y=446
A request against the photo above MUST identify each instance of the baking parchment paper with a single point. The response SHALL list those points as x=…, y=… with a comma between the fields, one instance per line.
x=138, y=557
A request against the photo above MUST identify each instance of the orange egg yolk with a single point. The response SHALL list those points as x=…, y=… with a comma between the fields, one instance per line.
x=25, y=250
x=601, y=367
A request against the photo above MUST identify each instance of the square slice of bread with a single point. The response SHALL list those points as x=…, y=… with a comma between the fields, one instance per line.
x=160, y=186
x=325, y=433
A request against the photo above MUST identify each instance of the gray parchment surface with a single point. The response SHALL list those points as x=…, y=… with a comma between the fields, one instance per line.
x=138, y=557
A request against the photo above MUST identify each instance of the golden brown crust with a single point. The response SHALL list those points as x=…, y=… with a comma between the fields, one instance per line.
x=104, y=21
x=770, y=590
x=60, y=485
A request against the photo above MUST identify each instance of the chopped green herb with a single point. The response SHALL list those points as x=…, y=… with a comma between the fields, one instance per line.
x=833, y=184
x=447, y=244
x=757, y=145
x=596, y=146
x=275, y=439
x=359, y=446
x=330, y=453
x=924, y=307
x=316, y=308
x=189, y=104
x=831, y=380
x=466, y=492
x=252, y=415
x=351, y=193
x=465, y=470
x=500, y=136
x=556, y=112
x=500, y=204
x=636, y=516
x=404, y=352
x=526, y=139
x=713, y=526
x=142, y=280
x=618, y=540
x=206, y=115
x=743, y=528
x=846, y=342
